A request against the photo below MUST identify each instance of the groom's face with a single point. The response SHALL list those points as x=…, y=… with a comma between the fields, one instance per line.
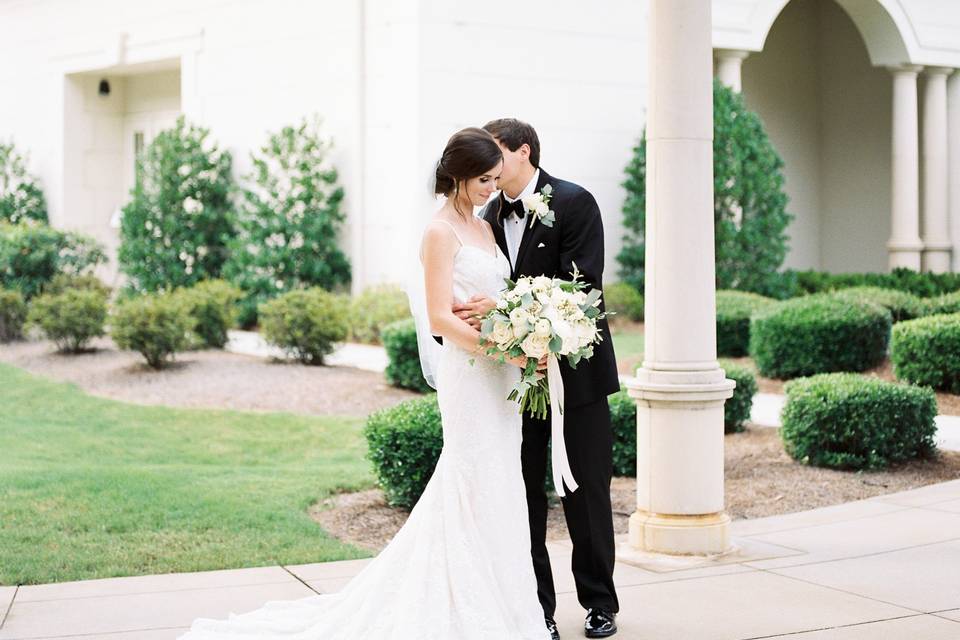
x=513, y=161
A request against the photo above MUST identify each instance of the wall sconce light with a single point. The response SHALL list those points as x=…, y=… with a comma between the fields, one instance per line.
x=104, y=88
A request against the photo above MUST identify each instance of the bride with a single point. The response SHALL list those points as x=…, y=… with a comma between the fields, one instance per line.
x=460, y=567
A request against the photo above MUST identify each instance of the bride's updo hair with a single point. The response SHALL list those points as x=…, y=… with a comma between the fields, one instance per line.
x=469, y=153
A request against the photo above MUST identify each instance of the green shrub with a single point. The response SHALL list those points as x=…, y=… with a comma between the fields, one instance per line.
x=305, y=323
x=63, y=282
x=848, y=421
x=919, y=284
x=155, y=325
x=819, y=334
x=374, y=309
x=927, y=352
x=403, y=369
x=289, y=220
x=750, y=217
x=734, y=309
x=13, y=313
x=945, y=303
x=31, y=256
x=624, y=300
x=21, y=199
x=404, y=443
x=212, y=306
x=901, y=304
x=175, y=228
x=736, y=410
x=70, y=319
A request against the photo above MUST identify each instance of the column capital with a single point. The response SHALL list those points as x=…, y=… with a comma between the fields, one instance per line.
x=938, y=71
x=731, y=54
x=904, y=69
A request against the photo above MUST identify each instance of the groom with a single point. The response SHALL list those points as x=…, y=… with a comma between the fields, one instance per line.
x=534, y=249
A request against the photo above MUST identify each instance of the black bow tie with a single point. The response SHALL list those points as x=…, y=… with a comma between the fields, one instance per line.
x=516, y=207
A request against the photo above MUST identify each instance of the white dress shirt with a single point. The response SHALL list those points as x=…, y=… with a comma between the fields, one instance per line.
x=513, y=227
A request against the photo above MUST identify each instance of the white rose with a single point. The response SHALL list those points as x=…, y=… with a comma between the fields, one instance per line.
x=523, y=286
x=502, y=332
x=502, y=303
x=519, y=317
x=542, y=283
x=530, y=202
x=542, y=208
x=543, y=328
x=535, y=346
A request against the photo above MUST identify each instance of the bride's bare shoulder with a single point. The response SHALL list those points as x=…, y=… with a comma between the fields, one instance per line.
x=439, y=235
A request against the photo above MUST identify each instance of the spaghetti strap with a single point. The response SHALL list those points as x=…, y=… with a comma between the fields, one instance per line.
x=456, y=235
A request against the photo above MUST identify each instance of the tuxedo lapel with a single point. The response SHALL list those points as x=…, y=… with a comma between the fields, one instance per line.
x=531, y=225
x=497, y=225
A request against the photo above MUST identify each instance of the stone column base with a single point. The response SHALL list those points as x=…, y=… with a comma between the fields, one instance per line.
x=701, y=535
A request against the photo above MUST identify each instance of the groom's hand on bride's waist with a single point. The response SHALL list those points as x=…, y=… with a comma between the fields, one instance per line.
x=473, y=310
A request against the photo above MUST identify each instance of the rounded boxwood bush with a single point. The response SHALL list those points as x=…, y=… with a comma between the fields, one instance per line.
x=624, y=300
x=848, y=421
x=902, y=305
x=403, y=370
x=374, y=309
x=734, y=309
x=70, y=319
x=946, y=303
x=305, y=323
x=736, y=410
x=155, y=325
x=13, y=313
x=819, y=334
x=64, y=282
x=213, y=306
x=404, y=444
x=926, y=351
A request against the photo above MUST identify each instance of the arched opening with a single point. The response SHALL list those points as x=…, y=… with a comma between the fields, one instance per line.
x=827, y=109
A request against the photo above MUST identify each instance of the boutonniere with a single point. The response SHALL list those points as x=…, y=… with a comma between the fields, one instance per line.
x=538, y=206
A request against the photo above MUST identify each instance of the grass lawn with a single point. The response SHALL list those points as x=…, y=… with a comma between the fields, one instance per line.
x=628, y=345
x=93, y=488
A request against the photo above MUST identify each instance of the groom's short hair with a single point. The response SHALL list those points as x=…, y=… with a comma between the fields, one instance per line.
x=513, y=133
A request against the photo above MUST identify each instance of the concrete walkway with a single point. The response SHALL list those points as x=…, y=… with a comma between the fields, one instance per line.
x=878, y=569
x=358, y=356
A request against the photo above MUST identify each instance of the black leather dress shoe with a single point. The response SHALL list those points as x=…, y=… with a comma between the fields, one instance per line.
x=600, y=623
x=552, y=628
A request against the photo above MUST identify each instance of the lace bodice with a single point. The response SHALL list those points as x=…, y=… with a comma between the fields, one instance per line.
x=477, y=271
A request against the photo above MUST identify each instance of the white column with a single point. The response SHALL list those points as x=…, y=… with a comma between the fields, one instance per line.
x=729, y=67
x=905, y=245
x=680, y=388
x=936, y=230
x=953, y=153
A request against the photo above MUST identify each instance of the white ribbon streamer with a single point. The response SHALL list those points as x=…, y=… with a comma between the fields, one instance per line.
x=561, y=465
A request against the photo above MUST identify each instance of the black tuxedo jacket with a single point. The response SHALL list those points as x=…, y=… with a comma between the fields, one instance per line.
x=575, y=237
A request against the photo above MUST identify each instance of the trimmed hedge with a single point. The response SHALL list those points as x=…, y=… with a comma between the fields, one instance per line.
x=13, y=314
x=155, y=325
x=903, y=279
x=819, y=334
x=400, y=341
x=927, y=352
x=374, y=309
x=404, y=443
x=901, y=304
x=624, y=300
x=70, y=319
x=305, y=323
x=734, y=309
x=736, y=410
x=946, y=303
x=847, y=421
x=213, y=306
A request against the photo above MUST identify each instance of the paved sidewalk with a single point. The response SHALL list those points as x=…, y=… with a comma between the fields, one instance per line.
x=878, y=569
x=348, y=354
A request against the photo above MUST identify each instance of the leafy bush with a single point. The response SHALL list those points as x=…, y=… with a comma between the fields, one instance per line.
x=21, y=199
x=31, y=256
x=175, y=229
x=404, y=443
x=750, y=217
x=13, y=313
x=305, y=323
x=734, y=309
x=70, y=319
x=624, y=300
x=819, y=334
x=945, y=303
x=374, y=309
x=847, y=421
x=901, y=304
x=62, y=283
x=155, y=325
x=403, y=369
x=736, y=410
x=289, y=220
x=927, y=352
x=212, y=306
x=903, y=279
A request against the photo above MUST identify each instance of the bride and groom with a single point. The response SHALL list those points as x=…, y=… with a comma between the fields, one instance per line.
x=471, y=561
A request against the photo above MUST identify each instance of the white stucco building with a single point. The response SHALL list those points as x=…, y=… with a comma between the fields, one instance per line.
x=860, y=98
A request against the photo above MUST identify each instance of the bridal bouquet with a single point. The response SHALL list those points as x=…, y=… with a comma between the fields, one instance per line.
x=541, y=316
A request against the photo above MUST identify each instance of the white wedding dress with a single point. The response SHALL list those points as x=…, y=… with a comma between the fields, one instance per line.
x=460, y=568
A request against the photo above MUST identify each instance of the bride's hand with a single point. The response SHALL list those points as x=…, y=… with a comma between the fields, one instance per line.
x=519, y=361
